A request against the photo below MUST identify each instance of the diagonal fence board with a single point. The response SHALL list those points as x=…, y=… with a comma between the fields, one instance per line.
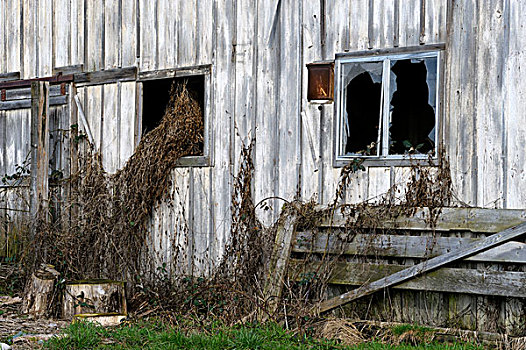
x=426, y=266
x=421, y=247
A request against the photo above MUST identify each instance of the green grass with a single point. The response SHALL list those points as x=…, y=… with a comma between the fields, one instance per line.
x=159, y=336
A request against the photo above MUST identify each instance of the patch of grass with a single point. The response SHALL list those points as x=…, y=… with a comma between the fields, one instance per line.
x=405, y=328
x=156, y=335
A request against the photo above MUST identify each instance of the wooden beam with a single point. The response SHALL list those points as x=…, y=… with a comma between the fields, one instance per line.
x=175, y=72
x=39, y=149
x=25, y=93
x=450, y=219
x=450, y=280
x=76, y=68
x=20, y=104
x=10, y=76
x=426, y=266
x=404, y=246
x=106, y=76
x=279, y=261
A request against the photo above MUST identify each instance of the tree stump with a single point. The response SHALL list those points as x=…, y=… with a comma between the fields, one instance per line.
x=94, y=297
x=40, y=291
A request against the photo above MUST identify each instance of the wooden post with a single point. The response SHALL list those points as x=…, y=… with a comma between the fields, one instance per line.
x=279, y=262
x=39, y=150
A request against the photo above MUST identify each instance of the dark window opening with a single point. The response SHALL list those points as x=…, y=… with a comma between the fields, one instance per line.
x=412, y=116
x=156, y=95
x=363, y=102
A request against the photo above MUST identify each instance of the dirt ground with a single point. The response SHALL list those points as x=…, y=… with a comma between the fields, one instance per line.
x=21, y=331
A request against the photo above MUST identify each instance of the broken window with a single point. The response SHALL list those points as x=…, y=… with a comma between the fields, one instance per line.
x=156, y=95
x=387, y=106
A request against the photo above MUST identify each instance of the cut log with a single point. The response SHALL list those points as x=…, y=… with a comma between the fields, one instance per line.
x=40, y=291
x=94, y=297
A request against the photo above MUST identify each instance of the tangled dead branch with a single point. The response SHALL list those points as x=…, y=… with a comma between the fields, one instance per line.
x=105, y=233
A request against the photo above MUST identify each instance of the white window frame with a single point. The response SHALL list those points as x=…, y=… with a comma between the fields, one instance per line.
x=206, y=159
x=382, y=158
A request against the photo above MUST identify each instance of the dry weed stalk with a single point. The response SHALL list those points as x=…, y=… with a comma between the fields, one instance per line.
x=105, y=232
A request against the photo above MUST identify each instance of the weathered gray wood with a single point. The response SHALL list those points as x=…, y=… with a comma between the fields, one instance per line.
x=94, y=297
x=20, y=104
x=434, y=263
x=404, y=246
x=9, y=76
x=25, y=93
x=40, y=292
x=175, y=72
x=470, y=219
x=279, y=261
x=39, y=149
x=76, y=68
x=84, y=121
x=106, y=76
x=450, y=280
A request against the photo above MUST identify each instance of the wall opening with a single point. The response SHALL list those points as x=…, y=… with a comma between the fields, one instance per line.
x=156, y=95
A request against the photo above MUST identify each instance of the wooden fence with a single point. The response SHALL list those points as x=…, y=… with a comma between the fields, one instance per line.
x=485, y=291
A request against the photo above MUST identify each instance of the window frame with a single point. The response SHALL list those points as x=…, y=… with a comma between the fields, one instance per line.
x=205, y=160
x=386, y=56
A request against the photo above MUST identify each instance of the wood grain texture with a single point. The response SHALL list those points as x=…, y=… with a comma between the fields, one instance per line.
x=448, y=280
x=434, y=263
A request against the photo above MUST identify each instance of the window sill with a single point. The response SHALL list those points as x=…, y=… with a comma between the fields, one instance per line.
x=400, y=161
x=194, y=161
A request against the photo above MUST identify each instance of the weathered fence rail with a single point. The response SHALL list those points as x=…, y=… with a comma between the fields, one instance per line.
x=482, y=291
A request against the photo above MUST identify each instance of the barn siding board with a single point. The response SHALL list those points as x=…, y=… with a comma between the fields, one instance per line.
x=112, y=33
x=148, y=35
x=29, y=42
x=62, y=32
x=289, y=98
x=224, y=19
x=17, y=139
x=265, y=157
x=489, y=107
x=94, y=39
x=167, y=35
x=359, y=10
x=12, y=32
x=93, y=96
x=44, y=32
x=310, y=114
x=127, y=121
x=110, y=132
x=409, y=22
x=516, y=89
x=204, y=43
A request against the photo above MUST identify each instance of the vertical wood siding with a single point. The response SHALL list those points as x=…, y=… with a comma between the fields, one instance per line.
x=258, y=51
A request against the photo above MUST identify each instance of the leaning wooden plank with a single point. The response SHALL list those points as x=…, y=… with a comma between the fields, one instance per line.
x=470, y=219
x=450, y=280
x=279, y=261
x=426, y=266
x=403, y=246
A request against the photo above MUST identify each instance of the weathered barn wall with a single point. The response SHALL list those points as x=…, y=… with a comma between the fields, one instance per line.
x=258, y=51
